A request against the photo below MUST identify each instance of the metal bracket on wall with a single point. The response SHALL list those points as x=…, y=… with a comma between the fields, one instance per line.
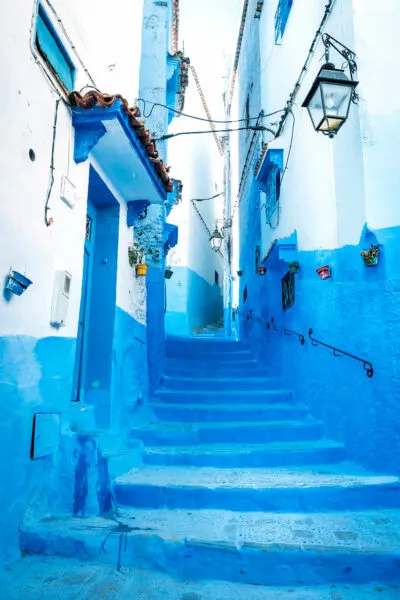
x=368, y=368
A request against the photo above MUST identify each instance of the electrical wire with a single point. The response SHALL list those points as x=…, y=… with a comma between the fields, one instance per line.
x=211, y=198
x=47, y=221
x=296, y=88
x=182, y=114
x=69, y=40
x=204, y=223
x=172, y=135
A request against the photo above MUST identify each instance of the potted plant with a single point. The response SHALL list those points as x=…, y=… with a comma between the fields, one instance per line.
x=294, y=266
x=324, y=272
x=168, y=273
x=371, y=256
x=17, y=283
x=136, y=258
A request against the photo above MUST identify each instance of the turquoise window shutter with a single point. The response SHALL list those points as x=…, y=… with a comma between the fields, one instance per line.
x=52, y=49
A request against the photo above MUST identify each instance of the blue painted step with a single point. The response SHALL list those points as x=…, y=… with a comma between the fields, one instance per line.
x=238, y=372
x=230, y=397
x=275, y=454
x=209, y=384
x=181, y=434
x=284, y=490
x=189, y=413
x=216, y=366
x=242, y=356
x=244, y=548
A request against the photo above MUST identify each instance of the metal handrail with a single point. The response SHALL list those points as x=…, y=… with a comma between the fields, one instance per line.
x=368, y=368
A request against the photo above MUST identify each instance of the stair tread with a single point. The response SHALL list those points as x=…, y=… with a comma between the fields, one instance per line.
x=350, y=531
x=169, y=392
x=193, y=426
x=244, y=448
x=54, y=575
x=254, y=478
x=231, y=407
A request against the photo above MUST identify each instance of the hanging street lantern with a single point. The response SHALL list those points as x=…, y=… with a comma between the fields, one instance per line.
x=216, y=240
x=329, y=99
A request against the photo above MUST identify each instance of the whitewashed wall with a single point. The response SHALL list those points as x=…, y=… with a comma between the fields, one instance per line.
x=103, y=38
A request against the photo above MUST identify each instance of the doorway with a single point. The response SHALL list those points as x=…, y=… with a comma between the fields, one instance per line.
x=93, y=359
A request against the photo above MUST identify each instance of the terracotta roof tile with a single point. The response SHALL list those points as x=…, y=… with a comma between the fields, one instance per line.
x=93, y=98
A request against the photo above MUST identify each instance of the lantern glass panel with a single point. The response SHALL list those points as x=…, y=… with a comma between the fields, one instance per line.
x=216, y=242
x=316, y=108
x=337, y=99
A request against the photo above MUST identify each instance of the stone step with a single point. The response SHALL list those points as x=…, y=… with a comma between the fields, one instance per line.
x=189, y=413
x=263, y=549
x=220, y=383
x=275, y=454
x=186, y=434
x=216, y=364
x=198, y=344
x=329, y=487
x=229, y=397
x=209, y=354
x=211, y=373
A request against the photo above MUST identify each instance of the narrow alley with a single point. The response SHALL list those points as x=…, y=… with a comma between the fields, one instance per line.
x=199, y=324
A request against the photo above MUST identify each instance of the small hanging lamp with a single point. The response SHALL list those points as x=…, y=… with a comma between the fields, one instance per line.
x=216, y=240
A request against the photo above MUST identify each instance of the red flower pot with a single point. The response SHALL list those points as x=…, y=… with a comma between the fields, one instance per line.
x=262, y=270
x=324, y=272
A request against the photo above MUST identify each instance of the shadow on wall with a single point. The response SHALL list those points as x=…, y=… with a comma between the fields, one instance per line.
x=192, y=303
x=357, y=310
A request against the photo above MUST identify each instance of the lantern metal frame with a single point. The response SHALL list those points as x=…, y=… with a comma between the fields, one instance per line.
x=330, y=74
x=217, y=234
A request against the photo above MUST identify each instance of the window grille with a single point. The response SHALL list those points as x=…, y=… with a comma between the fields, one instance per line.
x=281, y=18
x=269, y=179
x=288, y=290
x=88, y=232
x=272, y=191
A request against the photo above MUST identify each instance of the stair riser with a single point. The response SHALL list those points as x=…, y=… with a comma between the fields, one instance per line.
x=246, y=435
x=232, y=398
x=239, y=499
x=232, y=383
x=214, y=366
x=219, y=415
x=209, y=358
x=210, y=373
x=198, y=347
x=254, y=460
x=191, y=560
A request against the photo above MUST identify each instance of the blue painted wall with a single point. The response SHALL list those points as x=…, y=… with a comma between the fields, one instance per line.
x=356, y=310
x=35, y=375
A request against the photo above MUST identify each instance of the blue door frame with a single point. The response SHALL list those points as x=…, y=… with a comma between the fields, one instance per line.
x=83, y=324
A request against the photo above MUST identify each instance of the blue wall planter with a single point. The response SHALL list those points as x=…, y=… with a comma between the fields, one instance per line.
x=17, y=283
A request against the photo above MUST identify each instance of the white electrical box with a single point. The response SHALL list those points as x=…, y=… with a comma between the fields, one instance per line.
x=59, y=308
x=68, y=192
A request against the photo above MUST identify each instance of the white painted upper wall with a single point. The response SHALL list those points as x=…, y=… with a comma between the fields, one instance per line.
x=331, y=187
x=103, y=34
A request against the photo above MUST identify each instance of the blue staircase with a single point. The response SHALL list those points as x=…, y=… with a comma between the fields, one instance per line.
x=238, y=484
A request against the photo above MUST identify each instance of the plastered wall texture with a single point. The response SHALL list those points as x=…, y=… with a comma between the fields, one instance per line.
x=338, y=201
x=37, y=360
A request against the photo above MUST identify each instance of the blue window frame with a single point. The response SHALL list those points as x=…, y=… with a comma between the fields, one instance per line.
x=281, y=18
x=269, y=179
x=53, y=51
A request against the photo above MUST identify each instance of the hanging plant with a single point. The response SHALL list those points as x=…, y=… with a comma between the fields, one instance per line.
x=294, y=266
x=135, y=255
x=371, y=256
